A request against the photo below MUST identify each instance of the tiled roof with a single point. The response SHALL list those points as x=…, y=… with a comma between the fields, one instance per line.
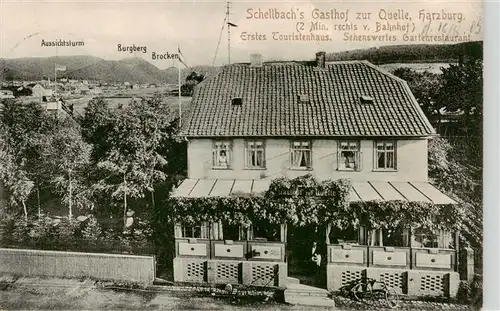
x=271, y=103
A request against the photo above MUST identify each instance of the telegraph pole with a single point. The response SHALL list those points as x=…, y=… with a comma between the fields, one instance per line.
x=228, y=33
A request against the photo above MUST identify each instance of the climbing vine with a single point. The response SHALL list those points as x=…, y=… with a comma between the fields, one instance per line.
x=305, y=200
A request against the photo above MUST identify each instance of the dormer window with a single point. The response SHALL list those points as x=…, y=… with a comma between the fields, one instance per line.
x=365, y=99
x=236, y=101
x=304, y=98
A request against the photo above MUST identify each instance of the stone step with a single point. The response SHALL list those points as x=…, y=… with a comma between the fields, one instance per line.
x=291, y=280
x=311, y=301
x=305, y=291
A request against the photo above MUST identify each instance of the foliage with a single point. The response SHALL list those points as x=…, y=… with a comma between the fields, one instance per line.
x=92, y=230
x=69, y=235
x=471, y=293
x=305, y=200
x=128, y=147
x=463, y=90
x=22, y=129
x=462, y=183
x=192, y=80
x=66, y=157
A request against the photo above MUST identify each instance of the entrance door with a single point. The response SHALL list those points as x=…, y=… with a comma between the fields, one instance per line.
x=302, y=241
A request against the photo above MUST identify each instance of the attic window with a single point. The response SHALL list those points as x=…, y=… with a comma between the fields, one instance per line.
x=303, y=98
x=365, y=99
x=236, y=101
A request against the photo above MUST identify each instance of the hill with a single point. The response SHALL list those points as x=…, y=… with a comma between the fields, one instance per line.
x=412, y=53
x=138, y=70
x=134, y=70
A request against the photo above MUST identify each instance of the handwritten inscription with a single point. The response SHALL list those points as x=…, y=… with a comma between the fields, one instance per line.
x=385, y=25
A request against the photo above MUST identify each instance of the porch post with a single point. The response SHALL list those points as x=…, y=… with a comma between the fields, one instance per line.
x=457, y=251
x=283, y=233
x=328, y=230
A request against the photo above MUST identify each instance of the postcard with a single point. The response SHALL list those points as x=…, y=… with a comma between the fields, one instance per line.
x=230, y=154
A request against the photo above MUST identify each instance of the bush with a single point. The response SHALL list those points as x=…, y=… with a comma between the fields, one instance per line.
x=471, y=293
x=92, y=231
x=72, y=235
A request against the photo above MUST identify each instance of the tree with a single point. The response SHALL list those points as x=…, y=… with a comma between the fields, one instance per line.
x=13, y=178
x=23, y=127
x=128, y=157
x=66, y=157
x=462, y=89
x=96, y=125
x=462, y=183
x=192, y=80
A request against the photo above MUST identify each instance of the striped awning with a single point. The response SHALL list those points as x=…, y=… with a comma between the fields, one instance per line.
x=361, y=190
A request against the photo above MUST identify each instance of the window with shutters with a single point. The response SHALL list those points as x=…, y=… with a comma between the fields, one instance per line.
x=349, y=156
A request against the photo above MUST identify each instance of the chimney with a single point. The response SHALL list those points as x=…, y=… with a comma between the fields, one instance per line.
x=320, y=60
x=255, y=60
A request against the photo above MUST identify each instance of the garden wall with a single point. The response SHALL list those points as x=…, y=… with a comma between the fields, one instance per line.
x=74, y=265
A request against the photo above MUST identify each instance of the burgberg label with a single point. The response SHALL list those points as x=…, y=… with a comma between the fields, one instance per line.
x=132, y=48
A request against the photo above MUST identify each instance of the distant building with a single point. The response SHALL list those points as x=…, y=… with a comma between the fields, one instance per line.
x=6, y=94
x=40, y=91
x=96, y=90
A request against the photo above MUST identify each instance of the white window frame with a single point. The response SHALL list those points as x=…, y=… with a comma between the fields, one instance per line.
x=189, y=232
x=443, y=238
x=301, y=148
x=357, y=155
x=217, y=147
x=385, y=151
x=252, y=149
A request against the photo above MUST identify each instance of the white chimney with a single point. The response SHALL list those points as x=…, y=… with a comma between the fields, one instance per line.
x=255, y=60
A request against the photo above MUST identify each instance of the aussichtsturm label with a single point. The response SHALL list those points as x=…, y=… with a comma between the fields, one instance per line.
x=61, y=43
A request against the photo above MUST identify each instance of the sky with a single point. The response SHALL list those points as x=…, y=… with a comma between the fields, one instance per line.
x=195, y=27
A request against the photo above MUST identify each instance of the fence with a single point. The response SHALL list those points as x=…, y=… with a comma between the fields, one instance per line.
x=111, y=246
x=113, y=267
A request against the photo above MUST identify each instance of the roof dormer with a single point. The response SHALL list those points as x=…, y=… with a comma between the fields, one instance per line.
x=236, y=101
x=365, y=99
x=304, y=98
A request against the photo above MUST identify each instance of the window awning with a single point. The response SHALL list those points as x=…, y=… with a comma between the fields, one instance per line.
x=361, y=190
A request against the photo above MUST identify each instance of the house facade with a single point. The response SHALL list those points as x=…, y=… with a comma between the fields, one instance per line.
x=254, y=122
x=357, y=158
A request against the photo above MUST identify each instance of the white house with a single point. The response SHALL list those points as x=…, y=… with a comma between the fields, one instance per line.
x=6, y=94
x=254, y=122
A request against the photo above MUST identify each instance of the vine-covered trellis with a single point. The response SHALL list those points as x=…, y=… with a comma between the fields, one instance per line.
x=305, y=200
